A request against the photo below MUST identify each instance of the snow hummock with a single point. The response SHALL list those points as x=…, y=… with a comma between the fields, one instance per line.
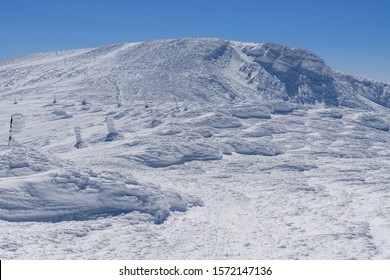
x=71, y=194
x=373, y=121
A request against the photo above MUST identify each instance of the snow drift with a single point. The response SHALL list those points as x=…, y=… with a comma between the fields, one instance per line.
x=72, y=194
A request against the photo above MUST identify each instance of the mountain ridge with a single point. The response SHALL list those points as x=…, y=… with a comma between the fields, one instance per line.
x=196, y=69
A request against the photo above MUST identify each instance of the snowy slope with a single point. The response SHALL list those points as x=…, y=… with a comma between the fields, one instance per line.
x=192, y=69
x=215, y=149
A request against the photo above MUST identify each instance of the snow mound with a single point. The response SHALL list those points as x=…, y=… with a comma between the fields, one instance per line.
x=72, y=194
x=263, y=148
x=172, y=129
x=332, y=113
x=258, y=131
x=296, y=166
x=19, y=161
x=373, y=121
x=167, y=155
x=61, y=114
x=200, y=133
x=247, y=112
x=219, y=120
x=283, y=108
x=275, y=127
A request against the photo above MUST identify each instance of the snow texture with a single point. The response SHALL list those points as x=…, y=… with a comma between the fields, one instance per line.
x=192, y=149
x=71, y=194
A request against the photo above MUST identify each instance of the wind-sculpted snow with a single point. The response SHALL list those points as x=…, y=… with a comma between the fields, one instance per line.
x=197, y=69
x=247, y=111
x=332, y=113
x=218, y=120
x=84, y=195
x=288, y=159
x=71, y=194
x=61, y=114
x=305, y=76
x=257, y=147
x=283, y=107
x=166, y=155
x=19, y=161
x=373, y=121
x=258, y=131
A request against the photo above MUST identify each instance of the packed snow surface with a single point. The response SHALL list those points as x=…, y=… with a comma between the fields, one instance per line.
x=192, y=149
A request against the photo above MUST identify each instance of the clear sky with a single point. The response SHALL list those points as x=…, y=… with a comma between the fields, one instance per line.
x=351, y=36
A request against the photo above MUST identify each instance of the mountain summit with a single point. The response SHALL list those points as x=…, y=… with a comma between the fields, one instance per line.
x=195, y=69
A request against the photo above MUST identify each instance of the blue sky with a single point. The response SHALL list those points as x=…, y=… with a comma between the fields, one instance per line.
x=351, y=36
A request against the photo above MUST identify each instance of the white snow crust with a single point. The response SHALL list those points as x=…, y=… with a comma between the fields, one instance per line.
x=213, y=149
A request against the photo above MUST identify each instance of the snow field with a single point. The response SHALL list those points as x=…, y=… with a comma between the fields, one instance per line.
x=245, y=151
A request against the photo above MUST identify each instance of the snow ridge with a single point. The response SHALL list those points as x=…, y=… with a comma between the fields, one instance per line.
x=196, y=69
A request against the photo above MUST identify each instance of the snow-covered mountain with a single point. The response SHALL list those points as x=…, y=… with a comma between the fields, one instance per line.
x=200, y=70
x=192, y=148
